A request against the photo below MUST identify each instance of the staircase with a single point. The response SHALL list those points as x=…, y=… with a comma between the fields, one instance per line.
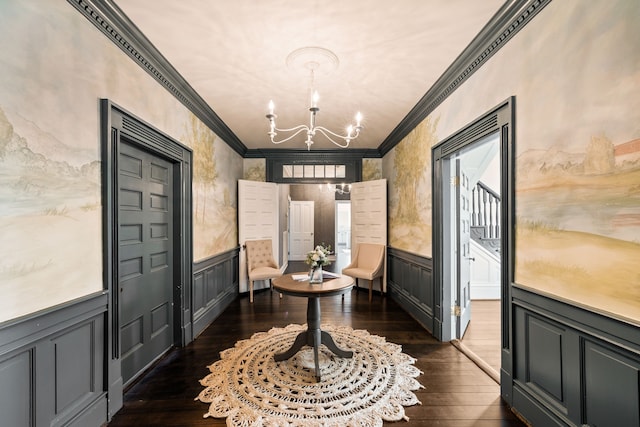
x=485, y=218
x=485, y=243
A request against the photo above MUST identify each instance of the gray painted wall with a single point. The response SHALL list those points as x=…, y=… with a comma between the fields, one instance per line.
x=410, y=283
x=52, y=366
x=215, y=286
x=572, y=366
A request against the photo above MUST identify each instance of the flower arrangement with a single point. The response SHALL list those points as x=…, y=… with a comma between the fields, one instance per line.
x=318, y=257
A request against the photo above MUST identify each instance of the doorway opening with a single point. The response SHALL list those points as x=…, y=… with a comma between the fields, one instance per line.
x=301, y=229
x=147, y=245
x=471, y=214
x=472, y=235
x=322, y=223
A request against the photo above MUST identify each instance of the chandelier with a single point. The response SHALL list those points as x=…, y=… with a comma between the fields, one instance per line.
x=318, y=55
x=336, y=188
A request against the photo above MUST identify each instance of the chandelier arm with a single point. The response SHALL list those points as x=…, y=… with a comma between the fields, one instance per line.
x=300, y=128
x=327, y=133
x=324, y=129
x=345, y=145
x=297, y=128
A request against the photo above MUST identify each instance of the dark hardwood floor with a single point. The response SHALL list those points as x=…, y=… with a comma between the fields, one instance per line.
x=457, y=392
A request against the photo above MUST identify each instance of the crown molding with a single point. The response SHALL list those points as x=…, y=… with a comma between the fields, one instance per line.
x=110, y=19
x=510, y=19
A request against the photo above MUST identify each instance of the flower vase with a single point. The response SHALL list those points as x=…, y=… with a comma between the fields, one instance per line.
x=315, y=275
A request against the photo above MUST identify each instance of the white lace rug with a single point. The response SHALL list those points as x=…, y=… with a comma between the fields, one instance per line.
x=250, y=389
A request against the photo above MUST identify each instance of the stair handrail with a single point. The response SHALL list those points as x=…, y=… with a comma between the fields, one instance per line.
x=485, y=210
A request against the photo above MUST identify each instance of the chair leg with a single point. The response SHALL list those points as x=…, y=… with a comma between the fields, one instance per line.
x=370, y=290
x=251, y=291
x=271, y=286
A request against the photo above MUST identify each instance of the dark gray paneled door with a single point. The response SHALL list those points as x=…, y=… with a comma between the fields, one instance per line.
x=145, y=238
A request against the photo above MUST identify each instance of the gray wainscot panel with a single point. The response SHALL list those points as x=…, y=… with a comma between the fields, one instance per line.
x=52, y=366
x=410, y=284
x=611, y=386
x=572, y=366
x=215, y=286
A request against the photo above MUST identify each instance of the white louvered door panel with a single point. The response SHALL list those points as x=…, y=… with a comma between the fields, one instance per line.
x=369, y=212
x=369, y=215
x=257, y=219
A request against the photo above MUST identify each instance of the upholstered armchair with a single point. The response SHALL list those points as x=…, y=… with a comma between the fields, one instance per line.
x=367, y=262
x=260, y=263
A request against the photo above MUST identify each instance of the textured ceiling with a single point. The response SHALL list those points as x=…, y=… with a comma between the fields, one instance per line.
x=234, y=55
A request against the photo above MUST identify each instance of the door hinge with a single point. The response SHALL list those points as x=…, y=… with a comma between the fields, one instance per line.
x=455, y=310
x=455, y=181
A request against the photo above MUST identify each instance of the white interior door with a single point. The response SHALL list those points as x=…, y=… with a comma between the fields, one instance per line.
x=463, y=249
x=257, y=219
x=343, y=224
x=301, y=229
x=369, y=216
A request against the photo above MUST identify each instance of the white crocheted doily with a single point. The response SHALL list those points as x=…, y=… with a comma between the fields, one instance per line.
x=250, y=389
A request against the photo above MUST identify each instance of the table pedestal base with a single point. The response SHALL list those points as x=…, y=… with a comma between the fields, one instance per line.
x=313, y=337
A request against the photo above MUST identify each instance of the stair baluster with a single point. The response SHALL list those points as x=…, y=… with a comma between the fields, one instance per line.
x=485, y=216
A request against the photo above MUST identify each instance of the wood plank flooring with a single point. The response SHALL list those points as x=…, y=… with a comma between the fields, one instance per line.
x=483, y=333
x=457, y=393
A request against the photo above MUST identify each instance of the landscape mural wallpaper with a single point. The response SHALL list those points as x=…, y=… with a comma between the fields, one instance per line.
x=577, y=152
x=255, y=170
x=216, y=169
x=55, y=67
x=371, y=169
x=408, y=169
x=578, y=172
